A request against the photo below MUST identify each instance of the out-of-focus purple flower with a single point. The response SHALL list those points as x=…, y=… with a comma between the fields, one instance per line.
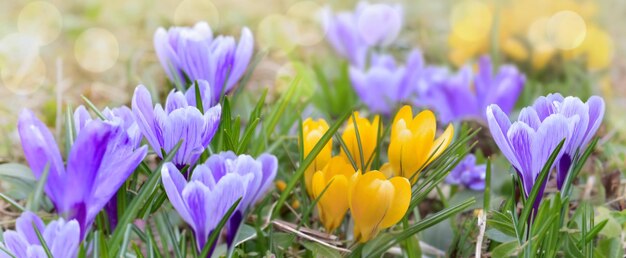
x=180, y=120
x=468, y=174
x=352, y=33
x=466, y=95
x=213, y=189
x=590, y=115
x=529, y=142
x=193, y=53
x=385, y=84
x=60, y=236
x=99, y=161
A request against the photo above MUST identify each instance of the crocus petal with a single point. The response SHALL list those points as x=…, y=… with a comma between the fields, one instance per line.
x=24, y=225
x=499, y=125
x=243, y=54
x=596, y=114
x=41, y=151
x=175, y=100
x=174, y=184
x=198, y=199
x=269, y=168
x=399, y=203
x=63, y=238
x=379, y=24
x=145, y=116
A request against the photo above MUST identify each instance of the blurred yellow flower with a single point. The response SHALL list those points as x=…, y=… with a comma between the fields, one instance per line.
x=368, y=132
x=413, y=144
x=377, y=203
x=533, y=31
x=312, y=132
x=333, y=204
x=281, y=185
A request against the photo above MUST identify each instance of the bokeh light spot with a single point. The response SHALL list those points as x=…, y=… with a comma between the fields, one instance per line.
x=21, y=69
x=305, y=18
x=276, y=32
x=40, y=19
x=471, y=20
x=189, y=12
x=566, y=30
x=96, y=50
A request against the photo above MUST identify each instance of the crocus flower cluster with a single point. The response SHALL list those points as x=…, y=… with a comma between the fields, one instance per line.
x=528, y=142
x=61, y=237
x=466, y=95
x=99, y=161
x=375, y=201
x=193, y=54
x=468, y=174
x=180, y=120
x=214, y=187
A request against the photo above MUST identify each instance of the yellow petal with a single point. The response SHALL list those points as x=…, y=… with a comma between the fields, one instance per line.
x=333, y=204
x=424, y=122
x=399, y=203
x=369, y=200
x=442, y=142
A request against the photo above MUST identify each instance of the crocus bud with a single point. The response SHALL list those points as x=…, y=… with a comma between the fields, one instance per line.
x=377, y=203
x=312, y=132
x=333, y=181
x=368, y=133
x=413, y=144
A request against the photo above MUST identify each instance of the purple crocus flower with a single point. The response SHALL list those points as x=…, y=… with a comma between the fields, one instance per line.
x=260, y=174
x=180, y=120
x=351, y=34
x=99, y=161
x=385, y=84
x=124, y=116
x=590, y=115
x=466, y=95
x=468, y=174
x=213, y=189
x=60, y=236
x=529, y=142
x=193, y=53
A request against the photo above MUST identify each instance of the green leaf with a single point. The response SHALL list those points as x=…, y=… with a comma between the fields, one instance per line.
x=16, y=170
x=135, y=205
x=307, y=161
x=319, y=250
x=93, y=107
x=507, y=249
x=199, y=103
x=42, y=241
x=33, y=205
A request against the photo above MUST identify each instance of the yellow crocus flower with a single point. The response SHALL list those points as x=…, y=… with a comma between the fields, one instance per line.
x=312, y=132
x=413, y=144
x=333, y=204
x=368, y=132
x=377, y=203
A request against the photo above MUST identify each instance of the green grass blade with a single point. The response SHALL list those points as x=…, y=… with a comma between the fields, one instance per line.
x=135, y=205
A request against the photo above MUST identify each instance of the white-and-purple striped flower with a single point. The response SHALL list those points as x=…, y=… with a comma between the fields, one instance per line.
x=351, y=34
x=192, y=53
x=386, y=84
x=468, y=174
x=99, y=161
x=590, y=115
x=214, y=187
x=60, y=236
x=466, y=95
x=528, y=142
x=179, y=120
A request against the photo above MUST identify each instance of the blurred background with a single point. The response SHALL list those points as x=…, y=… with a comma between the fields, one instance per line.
x=52, y=52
